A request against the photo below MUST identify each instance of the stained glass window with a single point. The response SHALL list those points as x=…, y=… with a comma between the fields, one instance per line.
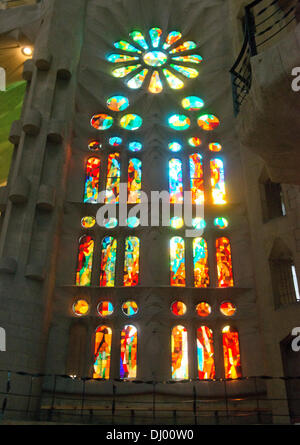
x=208, y=122
x=131, y=122
x=85, y=261
x=228, y=309
x=113, y=179
x=135, y=146
x=217, y=181
x=179, y=349
x=102, y=352
x=94, y=145
x=231, y=351
x=110, y=223
x=221, y=223
x=194, y=142
x=134, y=180
x=196, y=178
x=175, y=146
x=88, y=222
x=105, y=308
x=177, y=261
x=215, y=146
x=133, y=222
x=155, y=85
x=192, y=103
x=130, y=308
x=179, y=122
x=92, y=174
x=117, y=103
x=108, y=262
x=102, y=121
x=115, y=141
x=81, y=307
x=131, y=264
x=224, y=262
x=201, y=274
x=128, y=359
x=176, y=222
x=175, y=181
x=205, y=353
x=203, y=309
x=178, y=308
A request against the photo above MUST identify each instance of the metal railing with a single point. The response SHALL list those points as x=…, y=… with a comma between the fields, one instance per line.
x=264, y=20
x=61, y=398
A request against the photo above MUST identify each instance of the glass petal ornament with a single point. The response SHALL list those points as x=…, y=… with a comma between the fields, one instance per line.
x=117, y=103
x=191, y=73
x=102, y=121
x=195, y=58
x=137, y=81
x=208, y=122
x=123, y=71
x=131, y=122
x=155, y=85
x=175, y=146
x=88, y=222
x=179, y=122
x=173, y=81
x=215, y=146
x=135, y=146
x=125, y=46
x=192, y=103
x=155, y=34
x=115, y=141
x=138, y=37
x=120, y=58
x=155, y=58
x=194, y=142
x=172, y=38
x=186, y=46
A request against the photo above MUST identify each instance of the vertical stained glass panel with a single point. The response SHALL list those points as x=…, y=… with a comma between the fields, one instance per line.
x=131, y=264
x=92, y=174
x=175, y=181
x=201, y=273
x=231, y=350
x=217, y=181
x=108, y=261
x=85, y=261
x=177, y=261
x=102, y=352
x=196, y=178
x=179, y=349
x=205, y=353
x=128, y=360
x=134, y=180
x=113, y=179
x=224, y=262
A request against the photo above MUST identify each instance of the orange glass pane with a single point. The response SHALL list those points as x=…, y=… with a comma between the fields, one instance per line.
x=81, y=307
x=231, y=350
x=179, y=350
x=201, y=272
x=85, y=261
x=178, y=308
x=128, y=363
x=102, y=353
x=224, y=262
x=205, y=353
x=203, y=309
x=228, y=309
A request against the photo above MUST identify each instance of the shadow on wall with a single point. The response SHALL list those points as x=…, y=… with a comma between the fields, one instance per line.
x=11, y=102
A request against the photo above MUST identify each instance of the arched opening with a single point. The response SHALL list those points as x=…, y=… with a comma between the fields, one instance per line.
x=102, y=352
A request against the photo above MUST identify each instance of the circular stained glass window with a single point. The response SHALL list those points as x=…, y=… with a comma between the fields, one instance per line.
x=215, y=146
x=155, y=58
x=194, y=142
x=179, y=122
x=178, y=308
x=203, y=309
x=198, y=223
x=115, y=141
x=131, y=122
x=102, y=121
x=95, y=145
x=117, y=103
x=135, y=146
x=133, y=222
x=208, y=122
x=175, y=146
x=130, y=308
x=176, y=222
x=192, y=103
x=88, y=222
x=105, y=308
x=81, y=307
x=221, y=223
x=110, y=223
x=228, y=309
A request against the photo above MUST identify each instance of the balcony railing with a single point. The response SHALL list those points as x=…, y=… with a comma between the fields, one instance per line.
x=265, y=20
x=67, y=399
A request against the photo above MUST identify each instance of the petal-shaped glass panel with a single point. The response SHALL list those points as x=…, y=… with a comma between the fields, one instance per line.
x=138, y=37
x=191, y=73
x=137, y=81
x=173, y=81
x=186, y=46
x=119, y=58
x=155, y=85
x=131, y=122
x=172, y=38
x=117, y=103
x=155, y=34
x=195, y=58
x=125, y=46
x=122, y=72
x=179, y=122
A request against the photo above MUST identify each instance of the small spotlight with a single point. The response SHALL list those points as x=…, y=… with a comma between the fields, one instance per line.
x=27, y=51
